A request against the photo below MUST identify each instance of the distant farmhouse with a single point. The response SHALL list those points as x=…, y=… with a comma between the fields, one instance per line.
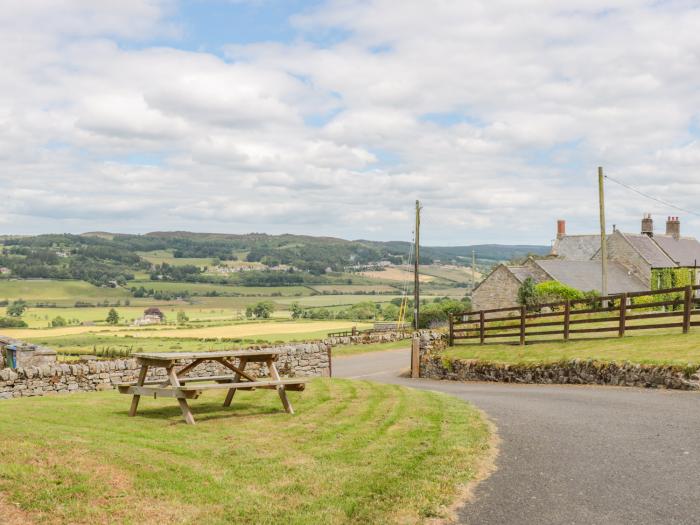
x=575, y=261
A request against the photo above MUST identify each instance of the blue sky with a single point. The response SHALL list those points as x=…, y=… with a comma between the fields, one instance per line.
x=332, y=117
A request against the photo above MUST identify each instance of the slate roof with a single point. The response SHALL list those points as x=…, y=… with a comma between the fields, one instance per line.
x=522, y=272
x=576, y=247
x=685, y=251
x=586, y=275
x=650, y=250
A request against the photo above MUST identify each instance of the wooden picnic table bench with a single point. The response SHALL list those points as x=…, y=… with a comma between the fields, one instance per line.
x=176, y=385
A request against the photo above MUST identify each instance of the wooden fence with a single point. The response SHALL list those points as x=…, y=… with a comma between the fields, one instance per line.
x=554, y=321
x=350, y=333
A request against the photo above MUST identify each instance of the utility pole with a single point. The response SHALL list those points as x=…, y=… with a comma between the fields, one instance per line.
x=473, y=269
x=416, y=283
x=603, y=244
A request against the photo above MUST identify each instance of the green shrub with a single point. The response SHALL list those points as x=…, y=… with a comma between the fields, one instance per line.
x=9, y=322
x=554, y=291
x=527, y=294
x=58, y=321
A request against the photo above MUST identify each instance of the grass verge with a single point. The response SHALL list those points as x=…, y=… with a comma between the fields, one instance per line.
x=356, y=452
x=658, y=349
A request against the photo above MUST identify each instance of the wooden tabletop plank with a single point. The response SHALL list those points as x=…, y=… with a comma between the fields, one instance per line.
x=175, y=356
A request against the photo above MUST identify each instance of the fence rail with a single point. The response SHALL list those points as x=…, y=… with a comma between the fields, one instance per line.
x=617, y=313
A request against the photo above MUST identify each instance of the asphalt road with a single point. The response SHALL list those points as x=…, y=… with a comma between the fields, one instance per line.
x=573, y=454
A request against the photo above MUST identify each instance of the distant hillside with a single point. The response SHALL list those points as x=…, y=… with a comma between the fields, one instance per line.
x=103, y=257
x=486, y=254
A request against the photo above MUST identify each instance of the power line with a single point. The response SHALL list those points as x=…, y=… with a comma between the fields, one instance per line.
x=665, y=203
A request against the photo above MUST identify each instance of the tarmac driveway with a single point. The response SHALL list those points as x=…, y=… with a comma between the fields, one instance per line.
x=573, y=454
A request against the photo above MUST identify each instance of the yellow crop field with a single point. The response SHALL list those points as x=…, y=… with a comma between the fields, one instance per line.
x=248, y=329
x=397, y=274
x=244, y=329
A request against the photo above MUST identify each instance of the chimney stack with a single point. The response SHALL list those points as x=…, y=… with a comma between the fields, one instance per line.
x=673, y=227
x=561, y=228
x=647, y=225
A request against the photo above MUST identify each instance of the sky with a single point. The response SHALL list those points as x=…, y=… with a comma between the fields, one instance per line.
x=333, y=117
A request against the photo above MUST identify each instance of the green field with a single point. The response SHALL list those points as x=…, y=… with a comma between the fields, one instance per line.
x=106, y=343
x=166, y=256
x=655, y=347
x=63, y=292
x=449, y=273
x=355, y=452
x=41, y=317
x=224, y=289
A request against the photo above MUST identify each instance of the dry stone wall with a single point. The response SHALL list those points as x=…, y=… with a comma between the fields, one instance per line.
x=295, y=360
x=434, y=365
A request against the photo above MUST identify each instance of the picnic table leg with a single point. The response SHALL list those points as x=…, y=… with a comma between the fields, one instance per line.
x=140, y=382
x=184, y=407
x=280, y=388
x=236, y=378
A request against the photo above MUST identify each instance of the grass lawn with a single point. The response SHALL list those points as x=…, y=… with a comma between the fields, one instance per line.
x=355, y=452
x=342, y=350
x=655, y=348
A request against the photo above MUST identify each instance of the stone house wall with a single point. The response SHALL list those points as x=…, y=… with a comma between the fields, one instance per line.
x=498, y=290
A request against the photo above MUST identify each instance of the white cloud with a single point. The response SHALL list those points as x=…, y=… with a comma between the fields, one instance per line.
x=495, y=114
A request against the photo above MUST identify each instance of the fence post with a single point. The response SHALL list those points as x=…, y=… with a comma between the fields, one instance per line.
x=567, y=319
x=687, y=308
x=415, y=356
x=452, y=330
x=482, y=332
x=523, y=312
x=623, y=315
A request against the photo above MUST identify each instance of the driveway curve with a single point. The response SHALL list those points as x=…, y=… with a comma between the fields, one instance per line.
x=573, y=454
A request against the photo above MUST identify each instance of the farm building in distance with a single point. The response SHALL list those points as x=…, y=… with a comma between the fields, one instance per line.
x=575, y=261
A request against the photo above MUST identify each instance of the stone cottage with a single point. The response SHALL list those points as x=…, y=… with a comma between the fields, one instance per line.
x=575, y=261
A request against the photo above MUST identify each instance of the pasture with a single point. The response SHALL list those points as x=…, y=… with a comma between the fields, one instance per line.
x=222, y=289
x=355, y=452
x=166, y=256
x=60, y=292
x=458, y=274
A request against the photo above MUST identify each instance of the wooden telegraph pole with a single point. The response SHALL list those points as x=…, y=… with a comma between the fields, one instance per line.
x=416, y=285
x=603, y=244
x=473, y=269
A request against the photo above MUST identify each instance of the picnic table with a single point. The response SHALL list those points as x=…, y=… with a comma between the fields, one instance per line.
x=182, y=388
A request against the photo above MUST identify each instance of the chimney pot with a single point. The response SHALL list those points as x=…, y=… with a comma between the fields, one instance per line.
x=647, y=225
x=561, y=228
x=673, y=227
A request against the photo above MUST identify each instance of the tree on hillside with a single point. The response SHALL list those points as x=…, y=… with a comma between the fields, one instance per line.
x=297, y=310
x=58, y=321
x=182, y=317
x=261, y=310
x=113, y=316
x=17, y=308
